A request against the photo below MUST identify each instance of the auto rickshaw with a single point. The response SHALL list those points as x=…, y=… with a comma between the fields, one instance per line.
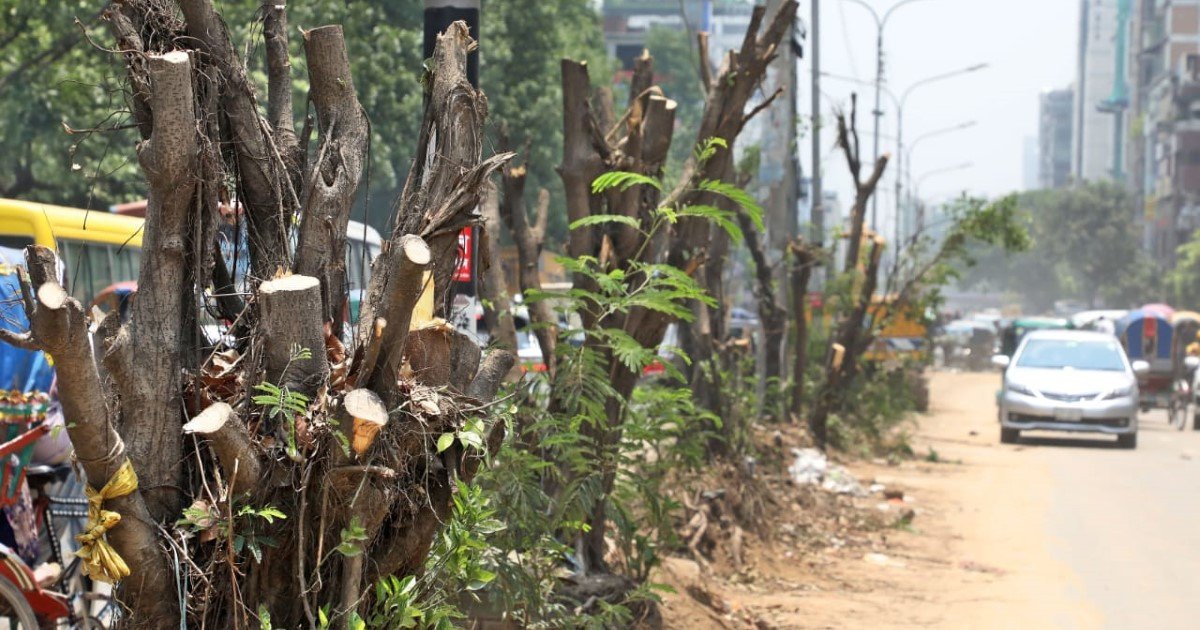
x=1147, y=334
x=1187, y=332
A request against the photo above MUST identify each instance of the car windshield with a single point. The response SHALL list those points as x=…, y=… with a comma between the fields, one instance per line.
x=1057, y=354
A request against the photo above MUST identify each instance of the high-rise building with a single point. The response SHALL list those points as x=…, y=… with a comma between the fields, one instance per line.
x=1096, y=115
x=1164, y=139
x=1054, y=138
x=1030, y=169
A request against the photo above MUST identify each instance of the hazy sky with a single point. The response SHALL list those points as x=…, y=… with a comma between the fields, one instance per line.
x=1029, y=44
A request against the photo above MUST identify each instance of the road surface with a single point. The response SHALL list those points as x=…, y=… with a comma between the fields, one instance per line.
x=1053, y=532
x=1120, y=529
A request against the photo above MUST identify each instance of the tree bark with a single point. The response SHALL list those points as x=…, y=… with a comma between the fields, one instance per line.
x=239, y=456
x=770, y=313
x=802, y=259
x=587, y=153
x=265, y=188
x=497, y=307
x=290, y=323
x=149, y=383
x=529, y=238
x=59, y=327
x=332, y=180
x=196, y=98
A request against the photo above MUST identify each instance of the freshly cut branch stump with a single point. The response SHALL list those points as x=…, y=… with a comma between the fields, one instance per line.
x=291, y=320
x=363, y=415
x=232, y=443
x=406, y=283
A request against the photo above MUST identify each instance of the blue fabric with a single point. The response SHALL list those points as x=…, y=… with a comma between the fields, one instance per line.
x=1129, y=330
x=23, y=370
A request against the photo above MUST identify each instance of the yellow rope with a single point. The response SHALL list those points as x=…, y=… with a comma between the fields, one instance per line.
x=100, y=560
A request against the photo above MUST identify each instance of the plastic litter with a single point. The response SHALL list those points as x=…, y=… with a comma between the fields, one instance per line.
x=811, y=467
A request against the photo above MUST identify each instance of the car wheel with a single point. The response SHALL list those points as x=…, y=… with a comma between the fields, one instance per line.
x=1009, y=436
x=1127, y=440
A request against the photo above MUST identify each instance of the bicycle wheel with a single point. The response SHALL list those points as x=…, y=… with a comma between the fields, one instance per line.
x=14, y=610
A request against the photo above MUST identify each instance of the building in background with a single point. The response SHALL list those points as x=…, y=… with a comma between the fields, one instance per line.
x=1054, y=138
x=1029, y=164
x=1163, y=156
x=628, y=25
x=1095, y=123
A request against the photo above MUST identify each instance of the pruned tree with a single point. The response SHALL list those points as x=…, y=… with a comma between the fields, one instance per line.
x=613, y=235
x=923, y=266
x=849, y=340
x=529, y=235
x=289, y=421
x=803, y=258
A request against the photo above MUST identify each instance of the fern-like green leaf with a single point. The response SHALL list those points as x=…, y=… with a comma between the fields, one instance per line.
x=723, y=218
x=622, y=180
x=598, y=219
x=738, y=196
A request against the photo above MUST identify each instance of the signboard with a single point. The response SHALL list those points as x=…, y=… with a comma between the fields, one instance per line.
x=462, y=269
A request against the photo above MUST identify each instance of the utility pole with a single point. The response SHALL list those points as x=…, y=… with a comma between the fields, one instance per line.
x=817, y=216
x=440, y=14
x=781, y=147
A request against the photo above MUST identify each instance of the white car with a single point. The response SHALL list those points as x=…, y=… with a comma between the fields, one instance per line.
x=1069, y=380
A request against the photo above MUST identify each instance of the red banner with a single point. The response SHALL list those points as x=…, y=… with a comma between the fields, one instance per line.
x=462, y=270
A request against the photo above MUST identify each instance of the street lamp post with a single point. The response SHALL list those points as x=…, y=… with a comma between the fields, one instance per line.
x=899, y=103
x=880, y=24
x=900, y=163
x=916, y=190
x=912, y=147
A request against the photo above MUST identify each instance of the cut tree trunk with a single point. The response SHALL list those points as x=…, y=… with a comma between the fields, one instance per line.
x=803, y=259
x=529, y=238
x=352, y=456
x=590, y=150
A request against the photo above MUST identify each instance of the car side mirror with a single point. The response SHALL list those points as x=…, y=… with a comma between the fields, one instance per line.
x=1140, y=367
x=1192, y=362
x=1000, y=360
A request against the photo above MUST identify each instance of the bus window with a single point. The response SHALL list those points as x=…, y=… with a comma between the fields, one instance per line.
x=101, y=271
x=92, y=267
x=126, y=263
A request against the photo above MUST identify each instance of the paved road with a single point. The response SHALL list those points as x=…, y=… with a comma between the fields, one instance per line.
x=1125, y=525
x=1128, y=523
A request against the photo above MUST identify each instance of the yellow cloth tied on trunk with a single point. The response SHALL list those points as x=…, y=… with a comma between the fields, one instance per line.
x=100, y=560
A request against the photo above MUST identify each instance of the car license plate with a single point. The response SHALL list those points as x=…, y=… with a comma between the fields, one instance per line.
x=1068, y=414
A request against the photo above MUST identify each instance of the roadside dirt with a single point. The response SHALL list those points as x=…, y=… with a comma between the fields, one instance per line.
x=974, y=555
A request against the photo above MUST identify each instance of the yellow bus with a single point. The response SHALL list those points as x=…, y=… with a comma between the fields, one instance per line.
x=98, y=248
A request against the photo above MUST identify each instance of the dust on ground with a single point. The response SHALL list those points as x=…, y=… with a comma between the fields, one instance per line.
x=958, y=550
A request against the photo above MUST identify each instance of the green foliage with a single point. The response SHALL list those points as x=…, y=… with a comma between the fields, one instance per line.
x=622, y=180
x=1084, y=244
x=243, y=530
x=351, y=538
x=53, y=80
x=883, y=401
x=285, y=403
x=1184, y=280
x=522, y=44
x=563, y=441
x=470, y=435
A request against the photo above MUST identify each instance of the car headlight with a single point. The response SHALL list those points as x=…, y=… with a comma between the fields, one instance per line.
x=1021, y=389
x=1119, y=392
